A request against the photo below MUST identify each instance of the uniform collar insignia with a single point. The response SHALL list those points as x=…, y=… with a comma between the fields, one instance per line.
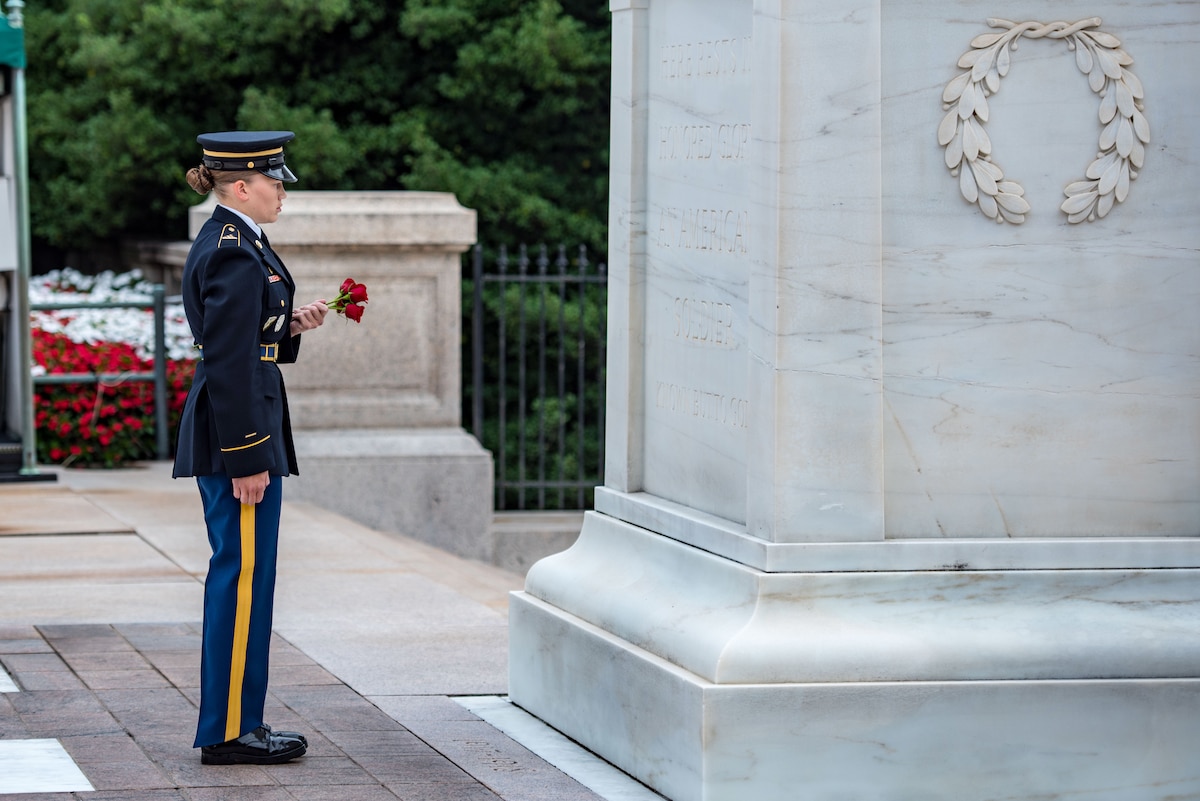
x=230, y=233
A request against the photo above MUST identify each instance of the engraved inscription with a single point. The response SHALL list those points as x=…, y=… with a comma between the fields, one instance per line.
x=711, y=59
x=727, y=141
x=712, y=407
x=719, y=230
x=707, y=322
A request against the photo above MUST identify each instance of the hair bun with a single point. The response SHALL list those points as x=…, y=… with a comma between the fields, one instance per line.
x=201, y=179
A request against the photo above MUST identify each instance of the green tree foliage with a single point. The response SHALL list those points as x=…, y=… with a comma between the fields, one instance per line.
x=502, y=102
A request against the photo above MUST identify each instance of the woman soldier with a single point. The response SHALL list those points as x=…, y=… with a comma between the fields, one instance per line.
x=235, y=436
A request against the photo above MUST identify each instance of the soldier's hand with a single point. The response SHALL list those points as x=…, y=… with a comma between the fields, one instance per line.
x=250, y=489
x=308, y=316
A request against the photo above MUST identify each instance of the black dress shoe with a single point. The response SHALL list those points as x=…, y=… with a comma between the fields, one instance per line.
x=287, y=735
x=259, y=747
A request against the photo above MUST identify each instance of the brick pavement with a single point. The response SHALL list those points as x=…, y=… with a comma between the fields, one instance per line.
x=122, y=701
x=376, y=636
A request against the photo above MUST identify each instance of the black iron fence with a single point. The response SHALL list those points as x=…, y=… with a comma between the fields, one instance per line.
x=535, y=395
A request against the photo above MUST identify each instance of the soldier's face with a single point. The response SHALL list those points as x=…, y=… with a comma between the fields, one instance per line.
x=265, y=198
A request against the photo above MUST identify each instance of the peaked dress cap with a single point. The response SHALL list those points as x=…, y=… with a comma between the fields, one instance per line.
x=248, y=150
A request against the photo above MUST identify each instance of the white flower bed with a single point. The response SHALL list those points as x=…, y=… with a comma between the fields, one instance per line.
x=91, y=326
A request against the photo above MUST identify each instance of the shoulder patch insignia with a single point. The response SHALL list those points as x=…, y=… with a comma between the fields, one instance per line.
x=230, y=233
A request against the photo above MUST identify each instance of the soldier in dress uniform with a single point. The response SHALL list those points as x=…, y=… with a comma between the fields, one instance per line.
x=235, y=436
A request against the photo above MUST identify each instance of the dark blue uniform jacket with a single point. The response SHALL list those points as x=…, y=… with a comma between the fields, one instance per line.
x=238, y=297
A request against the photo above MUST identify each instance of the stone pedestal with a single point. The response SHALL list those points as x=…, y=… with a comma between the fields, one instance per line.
x=900, y=503
x=376, y=405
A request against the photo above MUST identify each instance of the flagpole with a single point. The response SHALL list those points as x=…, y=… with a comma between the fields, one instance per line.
x=24, y=256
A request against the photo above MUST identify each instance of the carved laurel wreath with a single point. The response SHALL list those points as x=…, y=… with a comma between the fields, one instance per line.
x=1122, y=141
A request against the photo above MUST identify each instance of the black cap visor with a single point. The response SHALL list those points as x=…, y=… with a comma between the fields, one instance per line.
x=280, y=173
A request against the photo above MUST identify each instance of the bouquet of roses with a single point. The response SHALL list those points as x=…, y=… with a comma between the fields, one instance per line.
x=351, y=300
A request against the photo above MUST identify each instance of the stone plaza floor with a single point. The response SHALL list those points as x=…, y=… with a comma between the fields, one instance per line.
x=390, y=655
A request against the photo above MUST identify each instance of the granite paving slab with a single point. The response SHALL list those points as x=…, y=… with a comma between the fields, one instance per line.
x=100, y=641
x=52, y=509
x=133, y=742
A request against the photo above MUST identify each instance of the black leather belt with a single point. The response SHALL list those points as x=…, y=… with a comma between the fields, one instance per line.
x=267, y=351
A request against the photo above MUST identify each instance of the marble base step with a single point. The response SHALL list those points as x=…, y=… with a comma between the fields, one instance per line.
x=711, y=681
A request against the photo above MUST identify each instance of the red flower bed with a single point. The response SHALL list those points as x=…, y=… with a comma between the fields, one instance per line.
x=105, y=424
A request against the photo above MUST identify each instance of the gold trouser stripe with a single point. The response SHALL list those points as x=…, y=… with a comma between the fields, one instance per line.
x=241, y=625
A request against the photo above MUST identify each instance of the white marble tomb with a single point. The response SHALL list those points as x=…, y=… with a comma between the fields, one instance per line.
x=901, y=502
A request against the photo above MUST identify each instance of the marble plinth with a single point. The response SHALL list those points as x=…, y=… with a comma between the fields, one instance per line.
x=1095, y=739
x=713, y=681
x=434, y=485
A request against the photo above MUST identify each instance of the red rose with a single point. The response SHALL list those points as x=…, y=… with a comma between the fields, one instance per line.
x=350, y=300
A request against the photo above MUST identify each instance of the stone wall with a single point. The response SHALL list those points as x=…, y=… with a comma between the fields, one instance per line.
x=376, y=406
